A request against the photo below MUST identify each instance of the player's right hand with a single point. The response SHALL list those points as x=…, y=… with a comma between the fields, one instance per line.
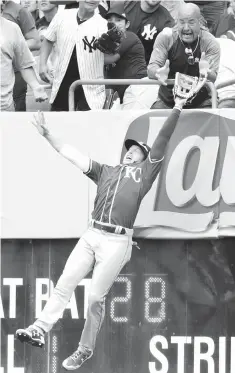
x=45, y=74
x=40, y=123
x=163, y=72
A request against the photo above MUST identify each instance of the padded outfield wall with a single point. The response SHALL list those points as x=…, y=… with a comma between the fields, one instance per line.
x=172, y=307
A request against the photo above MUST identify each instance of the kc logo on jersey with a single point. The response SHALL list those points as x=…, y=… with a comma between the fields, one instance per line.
x=149, y=33
x=89, y=44
x=134, y=173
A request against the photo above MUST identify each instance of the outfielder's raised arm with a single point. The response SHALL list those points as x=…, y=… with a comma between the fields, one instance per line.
x=67, y=151
x=159, y=146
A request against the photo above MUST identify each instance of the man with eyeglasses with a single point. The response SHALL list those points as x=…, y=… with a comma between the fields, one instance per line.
x=189, y=49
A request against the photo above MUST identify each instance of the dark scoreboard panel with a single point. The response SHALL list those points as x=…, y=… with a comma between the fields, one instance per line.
x=171, y=310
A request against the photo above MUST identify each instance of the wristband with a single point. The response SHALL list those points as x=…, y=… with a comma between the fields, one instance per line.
x=178, y=107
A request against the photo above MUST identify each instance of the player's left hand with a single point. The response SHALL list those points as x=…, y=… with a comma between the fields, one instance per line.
x=180, y=102
x=39, y=123
x=40, y=94
x=204, y=65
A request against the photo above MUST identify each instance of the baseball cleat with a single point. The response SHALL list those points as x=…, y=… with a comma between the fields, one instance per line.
x=76, y=360
x=31, y=335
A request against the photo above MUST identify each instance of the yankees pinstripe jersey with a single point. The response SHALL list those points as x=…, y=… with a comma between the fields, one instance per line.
x=121, y=189
x=66, y=33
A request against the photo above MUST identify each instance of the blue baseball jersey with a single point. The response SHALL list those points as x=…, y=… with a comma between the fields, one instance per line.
x=121, y=189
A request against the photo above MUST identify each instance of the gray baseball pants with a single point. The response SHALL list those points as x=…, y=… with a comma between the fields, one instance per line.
x=105, y=253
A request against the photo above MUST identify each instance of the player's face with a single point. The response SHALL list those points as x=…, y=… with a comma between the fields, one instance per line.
x=119, y=22
x=31, y=5
x=189, y=28
x=89, y=5
x=45, y=5
x=133, y=155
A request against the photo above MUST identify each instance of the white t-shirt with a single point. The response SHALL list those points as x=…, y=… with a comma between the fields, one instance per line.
x=226, y=68
x=15, y=54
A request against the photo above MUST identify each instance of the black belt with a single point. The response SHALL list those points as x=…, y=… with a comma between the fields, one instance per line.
x=108, y=228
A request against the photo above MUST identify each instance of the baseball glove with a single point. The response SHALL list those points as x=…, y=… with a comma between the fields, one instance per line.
x=187, y=87
x=110, y=41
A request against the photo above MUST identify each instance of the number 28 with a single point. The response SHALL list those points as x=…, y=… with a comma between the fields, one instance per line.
x=148, y=301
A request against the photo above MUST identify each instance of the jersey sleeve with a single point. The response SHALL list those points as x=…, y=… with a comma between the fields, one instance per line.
x=94, y=171
x=150, y=169
x=51, y=32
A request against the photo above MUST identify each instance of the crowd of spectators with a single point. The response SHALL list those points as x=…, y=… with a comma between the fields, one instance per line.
x=46, y=46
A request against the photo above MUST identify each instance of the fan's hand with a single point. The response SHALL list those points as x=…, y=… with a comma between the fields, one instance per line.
x=163, y=72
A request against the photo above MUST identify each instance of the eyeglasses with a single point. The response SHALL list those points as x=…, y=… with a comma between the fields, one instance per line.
x=189, y=53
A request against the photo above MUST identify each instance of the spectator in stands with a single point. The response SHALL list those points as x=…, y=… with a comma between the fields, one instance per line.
x=15, y=53
x=48, y=11
x=23, y=18
x=74, y=32
x=32, y=7
x=103, y=6
x=186, y=49
x=211, y=11
x=128, y=63
x=226, y=72
x=226, y=23
x=147, y=19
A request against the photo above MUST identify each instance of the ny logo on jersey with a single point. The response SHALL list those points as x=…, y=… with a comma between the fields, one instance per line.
x=148, y=33
x=88, y=44
x=133, y=172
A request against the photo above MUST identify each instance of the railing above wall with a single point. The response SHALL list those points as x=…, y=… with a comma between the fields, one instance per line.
x=77, y=83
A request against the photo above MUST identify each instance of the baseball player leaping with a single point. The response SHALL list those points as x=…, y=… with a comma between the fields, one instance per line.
x=107, y=244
